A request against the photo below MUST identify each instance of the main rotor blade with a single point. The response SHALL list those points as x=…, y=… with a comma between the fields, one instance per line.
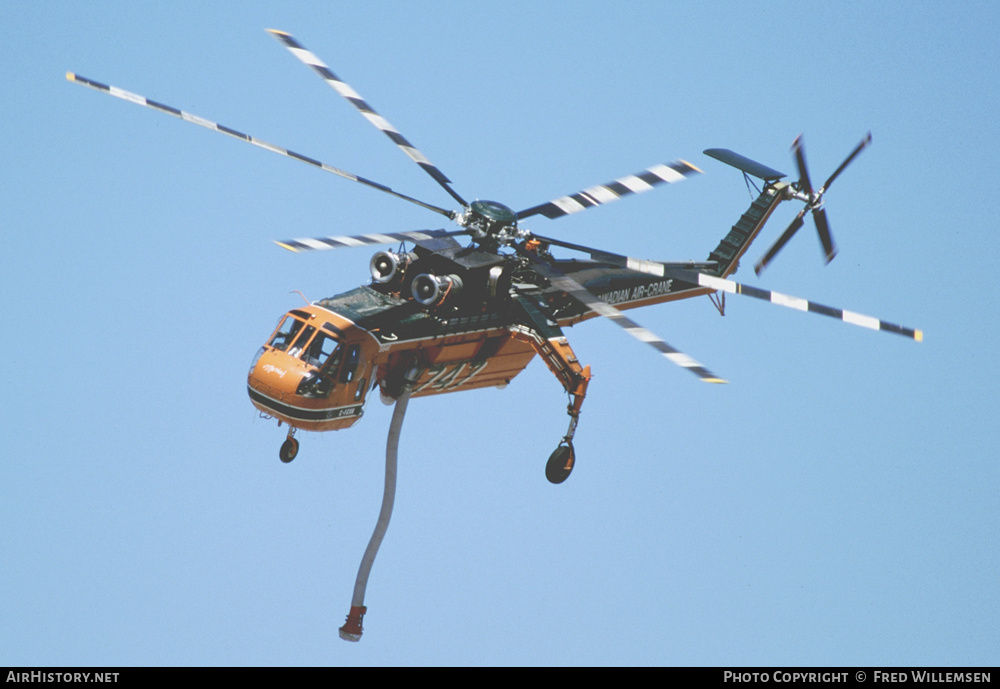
x=782, y=240
x=195, y=119
x=310, y=60
x=823, y=227
x=591, y=301
x=797, y=303
x=684, y=272
x=865, y=143
x=612, y=191
x=326, y=243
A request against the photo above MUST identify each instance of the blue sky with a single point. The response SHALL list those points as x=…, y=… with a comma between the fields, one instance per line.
x=833, y=505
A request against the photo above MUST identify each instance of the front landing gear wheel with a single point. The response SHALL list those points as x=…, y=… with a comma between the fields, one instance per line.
x=560, y=463
x=288, y=450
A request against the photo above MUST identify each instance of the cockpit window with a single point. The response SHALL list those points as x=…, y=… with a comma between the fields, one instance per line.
x=321, y=349
x=286, y=333
x=301, y=341
x=351, y=364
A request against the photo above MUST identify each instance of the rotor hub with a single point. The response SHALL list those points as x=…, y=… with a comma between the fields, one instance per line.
x=494, y=212
x=490, y=219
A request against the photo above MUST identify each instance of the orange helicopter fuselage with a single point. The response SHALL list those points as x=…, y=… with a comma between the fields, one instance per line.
x=318, y=366
x=318, y=393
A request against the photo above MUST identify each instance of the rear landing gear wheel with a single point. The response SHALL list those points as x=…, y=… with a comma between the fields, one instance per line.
x=560, y=463
x=288, y=450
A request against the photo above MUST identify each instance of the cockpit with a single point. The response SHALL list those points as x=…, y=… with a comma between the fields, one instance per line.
x=297, y=339
x=319, y=346
x=308, y=357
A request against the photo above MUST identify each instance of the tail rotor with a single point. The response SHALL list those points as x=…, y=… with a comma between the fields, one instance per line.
x=803, y=191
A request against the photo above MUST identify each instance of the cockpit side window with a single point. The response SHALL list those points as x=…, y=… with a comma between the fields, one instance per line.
x=350, y=364
x=286, y=333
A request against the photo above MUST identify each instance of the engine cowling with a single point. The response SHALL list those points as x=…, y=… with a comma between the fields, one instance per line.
x=389, y=266
x=433, y=290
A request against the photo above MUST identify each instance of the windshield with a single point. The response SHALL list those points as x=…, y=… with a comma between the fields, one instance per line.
x=286, y=333
x=318, y=348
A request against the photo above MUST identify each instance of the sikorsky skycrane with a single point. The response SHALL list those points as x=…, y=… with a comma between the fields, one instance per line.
x=442, y=316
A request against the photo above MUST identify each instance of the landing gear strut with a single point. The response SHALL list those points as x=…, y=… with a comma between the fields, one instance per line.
x=547, y=339
x=289, y=448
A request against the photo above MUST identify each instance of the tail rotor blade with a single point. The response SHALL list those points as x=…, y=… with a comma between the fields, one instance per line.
x=823, y=227
x=782, y=240
x=865, y=143
x=800, y=158
x=814, y=202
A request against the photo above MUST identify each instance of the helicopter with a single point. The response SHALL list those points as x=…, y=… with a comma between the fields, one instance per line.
x=444, y=316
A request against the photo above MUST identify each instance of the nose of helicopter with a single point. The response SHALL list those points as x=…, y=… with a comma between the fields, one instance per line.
x=312, y=373
x=275, y=374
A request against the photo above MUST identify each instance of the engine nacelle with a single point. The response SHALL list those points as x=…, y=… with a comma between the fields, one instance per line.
x=433, y=290
x=389, y=266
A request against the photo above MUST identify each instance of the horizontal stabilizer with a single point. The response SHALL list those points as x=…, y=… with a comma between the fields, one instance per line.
x=751, y=167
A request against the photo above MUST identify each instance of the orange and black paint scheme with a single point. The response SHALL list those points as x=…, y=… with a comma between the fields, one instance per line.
x=443, y=317
x=466, y=317
x=472, y=316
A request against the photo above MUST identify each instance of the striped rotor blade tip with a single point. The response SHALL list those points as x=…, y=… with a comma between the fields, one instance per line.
x=670, y=353
x=254, y=141
x=347, y=242
x=796, y=303
x=644, y=181
x=310, y=59
x=637, y=331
